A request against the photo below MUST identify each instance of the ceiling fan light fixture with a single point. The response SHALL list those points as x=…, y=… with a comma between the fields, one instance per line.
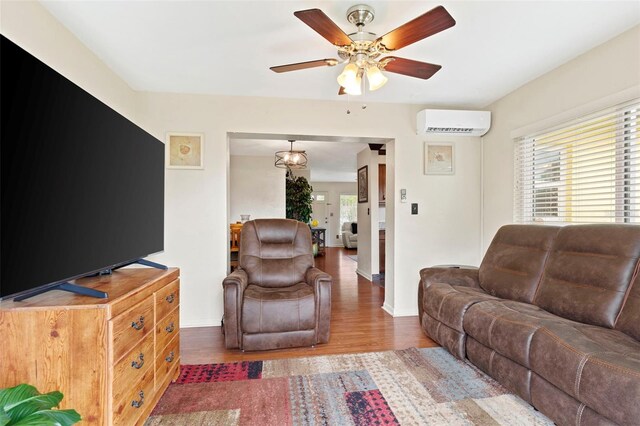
x=354, y=88
x=349, y=75
x=376, y=78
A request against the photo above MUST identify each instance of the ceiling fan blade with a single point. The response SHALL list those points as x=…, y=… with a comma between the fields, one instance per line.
x=428, y=24
x=341, y=91
x=323, y=25
x=410, y=67
x=305, y=65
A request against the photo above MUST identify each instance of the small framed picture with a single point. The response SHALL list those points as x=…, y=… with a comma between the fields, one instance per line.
x=438, y=159
x=363, y=184
x=185, y=151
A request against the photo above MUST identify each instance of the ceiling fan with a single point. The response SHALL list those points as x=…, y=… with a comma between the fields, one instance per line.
x=362, y=50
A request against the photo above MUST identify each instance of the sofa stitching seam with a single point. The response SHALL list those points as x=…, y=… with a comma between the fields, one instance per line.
x=580, y=369
x=579, y=414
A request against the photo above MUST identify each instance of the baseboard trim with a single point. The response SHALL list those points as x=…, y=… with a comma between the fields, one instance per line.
x=387, y=308
x=364, y=275
x=405, y=312
x=203, y=324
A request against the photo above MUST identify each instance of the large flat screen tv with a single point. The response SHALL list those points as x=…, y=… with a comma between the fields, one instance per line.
x=82, y=187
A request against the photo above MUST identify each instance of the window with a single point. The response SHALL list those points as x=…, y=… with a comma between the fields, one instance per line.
x=585, y=171
x=348, y=209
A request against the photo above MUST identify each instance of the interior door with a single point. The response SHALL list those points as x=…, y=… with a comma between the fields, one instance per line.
x=319, y=209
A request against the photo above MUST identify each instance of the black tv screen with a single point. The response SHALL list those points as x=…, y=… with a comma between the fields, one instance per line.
x=82, y=187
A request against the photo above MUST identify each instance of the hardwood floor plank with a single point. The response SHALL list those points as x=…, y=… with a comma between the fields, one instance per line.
x=358, y=323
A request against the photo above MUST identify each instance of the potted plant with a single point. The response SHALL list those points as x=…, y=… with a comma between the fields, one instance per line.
x=23, y=405
x=298, y=198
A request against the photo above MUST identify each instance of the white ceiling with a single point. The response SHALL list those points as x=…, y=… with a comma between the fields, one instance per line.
x=227, y=47
x=329, y=161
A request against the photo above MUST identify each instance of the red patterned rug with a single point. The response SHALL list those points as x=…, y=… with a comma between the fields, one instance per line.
x=408, y=387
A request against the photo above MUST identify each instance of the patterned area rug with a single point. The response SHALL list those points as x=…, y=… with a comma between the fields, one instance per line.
x=408, y=387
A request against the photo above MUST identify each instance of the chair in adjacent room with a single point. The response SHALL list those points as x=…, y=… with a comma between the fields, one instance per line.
x=350, y=235
x=276, y=298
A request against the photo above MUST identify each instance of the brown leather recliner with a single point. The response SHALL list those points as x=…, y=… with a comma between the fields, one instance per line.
x=276, y=298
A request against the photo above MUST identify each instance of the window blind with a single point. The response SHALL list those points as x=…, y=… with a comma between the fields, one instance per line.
x=584, y=171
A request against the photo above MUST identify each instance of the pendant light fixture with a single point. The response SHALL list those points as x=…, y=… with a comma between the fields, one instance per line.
x=291, y=159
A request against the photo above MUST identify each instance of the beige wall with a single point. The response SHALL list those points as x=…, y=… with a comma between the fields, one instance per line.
x=602, y=72
x=255, y=188
x=33, y=28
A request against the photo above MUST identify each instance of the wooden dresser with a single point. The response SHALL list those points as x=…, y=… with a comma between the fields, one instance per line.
x=111, y=358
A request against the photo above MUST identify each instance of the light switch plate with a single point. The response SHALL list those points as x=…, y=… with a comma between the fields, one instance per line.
x=403, y=195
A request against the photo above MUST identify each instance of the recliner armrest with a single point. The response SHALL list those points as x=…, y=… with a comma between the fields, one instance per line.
x=453, y=275
x=467, y=277
x=314, y=276
x=321, y=283
x=234, y=285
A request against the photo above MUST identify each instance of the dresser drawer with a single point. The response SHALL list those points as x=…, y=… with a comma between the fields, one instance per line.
x=167, y=299
x=132, y=367
x=129, y=409
x=130, y=327
x=167, y=328
x=168, y=360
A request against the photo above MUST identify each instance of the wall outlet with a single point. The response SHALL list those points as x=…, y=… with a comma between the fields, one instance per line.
x=414, y=208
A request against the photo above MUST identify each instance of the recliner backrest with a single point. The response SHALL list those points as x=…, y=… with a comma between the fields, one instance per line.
x=589, y=272
x=514, y=262
x=275, y=252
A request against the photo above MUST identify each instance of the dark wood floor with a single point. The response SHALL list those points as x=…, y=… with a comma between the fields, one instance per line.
x=358, y=323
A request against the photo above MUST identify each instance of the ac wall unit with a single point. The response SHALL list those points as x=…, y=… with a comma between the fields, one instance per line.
x=452, y=122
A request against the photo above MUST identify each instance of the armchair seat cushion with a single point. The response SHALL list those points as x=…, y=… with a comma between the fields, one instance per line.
x=278, y=309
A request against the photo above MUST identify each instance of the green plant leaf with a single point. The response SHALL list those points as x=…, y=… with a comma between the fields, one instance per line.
x=4, y=417
x=16, y=394
x=50, y=417
x=20, y=410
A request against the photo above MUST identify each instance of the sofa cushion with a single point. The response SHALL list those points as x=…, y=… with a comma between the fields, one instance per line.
x=597, y=366
x=448, y=304
x=589, y=271
x=354, y=227
x=507, y=327
x=514, y=261
x=268, y=310
x=629, y=319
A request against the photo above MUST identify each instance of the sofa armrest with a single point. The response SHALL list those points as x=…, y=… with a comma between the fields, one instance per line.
x=321, y=283
x=234, y=285
x=465, y=276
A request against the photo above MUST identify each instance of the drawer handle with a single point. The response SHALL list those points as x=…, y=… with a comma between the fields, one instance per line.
x=170, y=298
x=138, y=404
x=138, y=324
x=170, y=327
x=138, y=364
x=170, y=357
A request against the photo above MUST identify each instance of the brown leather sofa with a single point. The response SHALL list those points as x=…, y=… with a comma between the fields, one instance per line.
x=276, y=298
x=553, y=313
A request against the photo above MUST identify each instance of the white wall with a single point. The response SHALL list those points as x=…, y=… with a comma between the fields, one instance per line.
x=368, y=245
x=256, y=188
x=601, y=72
x=33, y=28
x=196, y=220
x=334, y=189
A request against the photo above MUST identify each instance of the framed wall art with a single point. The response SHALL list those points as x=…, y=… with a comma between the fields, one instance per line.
x=363, y=184
x=439, y=158
x=185, y=151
